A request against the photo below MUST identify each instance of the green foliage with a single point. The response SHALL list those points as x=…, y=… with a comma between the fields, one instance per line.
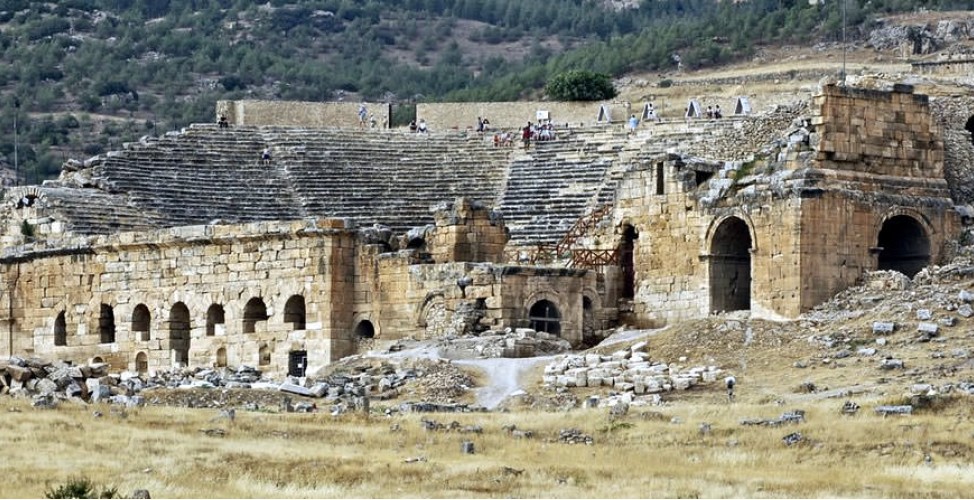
x=579, y=85
x=80, y=487
x=166, y=61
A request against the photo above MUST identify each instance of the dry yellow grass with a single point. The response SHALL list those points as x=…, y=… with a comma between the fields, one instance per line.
x=644, y=454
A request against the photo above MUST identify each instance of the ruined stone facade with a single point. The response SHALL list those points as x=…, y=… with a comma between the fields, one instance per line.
x=278, y=264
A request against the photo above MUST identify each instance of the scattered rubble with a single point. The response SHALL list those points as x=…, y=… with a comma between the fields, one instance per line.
x=574, y=436
x=629, y=370
x=791, y=417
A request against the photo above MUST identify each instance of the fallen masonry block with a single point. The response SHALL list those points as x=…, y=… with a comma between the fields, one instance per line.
x=295, y=389
x=894, y=410
x=928, y=328
x=891, y=364
x=793, y=438
x=881, y=327
x=850, y=408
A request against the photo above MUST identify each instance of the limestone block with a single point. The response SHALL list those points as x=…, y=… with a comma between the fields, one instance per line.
x=592, y=360
x=682, y=383
x=19, y=373
x=883, y=327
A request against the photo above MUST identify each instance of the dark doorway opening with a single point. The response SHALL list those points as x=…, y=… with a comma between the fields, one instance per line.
x=297, y=363
x=364, y=330
x=730, y=267
x=544, y=317
x=627, y=261
x=179, y=327
x=254, y=311
x=904, y=246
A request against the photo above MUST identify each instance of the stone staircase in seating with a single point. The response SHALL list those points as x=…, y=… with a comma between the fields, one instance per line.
x=204, y=174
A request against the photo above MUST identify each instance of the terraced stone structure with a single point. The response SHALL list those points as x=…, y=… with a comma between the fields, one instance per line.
x=190, y=249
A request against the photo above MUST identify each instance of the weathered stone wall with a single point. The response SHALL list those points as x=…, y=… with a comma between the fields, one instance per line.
x=885, y=133
x=840, y=237
x=198, y=267
x=426, y=301
x=513, y=115
x=438, y=116
x=300, y=114
x=468, y=232
x=675, y=252
x=949, y=67
x=804, y=223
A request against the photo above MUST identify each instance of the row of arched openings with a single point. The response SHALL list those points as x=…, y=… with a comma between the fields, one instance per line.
x=180, y=323
x=903, y=245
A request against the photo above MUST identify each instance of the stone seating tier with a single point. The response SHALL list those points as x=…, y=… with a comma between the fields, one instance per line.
x=205, y=173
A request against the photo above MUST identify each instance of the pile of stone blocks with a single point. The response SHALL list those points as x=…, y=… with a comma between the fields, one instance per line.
x=629, y=370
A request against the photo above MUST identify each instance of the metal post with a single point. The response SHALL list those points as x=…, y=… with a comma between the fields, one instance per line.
x=843, y=40
x=16, y=143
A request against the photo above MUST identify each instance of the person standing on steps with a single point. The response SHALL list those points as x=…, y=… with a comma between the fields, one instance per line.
x=265, y=156
x=362, y=114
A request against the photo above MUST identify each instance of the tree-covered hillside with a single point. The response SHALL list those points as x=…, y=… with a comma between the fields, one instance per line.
x=89, y=74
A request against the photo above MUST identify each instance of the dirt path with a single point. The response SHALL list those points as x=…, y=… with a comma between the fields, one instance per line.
x=502, y=377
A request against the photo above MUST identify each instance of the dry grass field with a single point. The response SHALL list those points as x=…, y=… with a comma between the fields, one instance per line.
x=658, y=452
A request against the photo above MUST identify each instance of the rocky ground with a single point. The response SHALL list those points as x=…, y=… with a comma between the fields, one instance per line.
x=889, y=337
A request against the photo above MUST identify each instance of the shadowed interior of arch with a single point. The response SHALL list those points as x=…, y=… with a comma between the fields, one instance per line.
x=904, y=246
x=544, y=317
x=730, y=267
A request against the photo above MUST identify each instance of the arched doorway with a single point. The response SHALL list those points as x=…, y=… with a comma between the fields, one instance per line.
x=294, y=312
x=264, y=355
x=254, y=311
x=60, y=330
x=214, y=316
x=106, y=324
x=627, y=261
x=364, y=330
x=589, y=326
x=179, y=327
x=730, y=266
x=141, y=362
x=969, y=126
x=221, y=357
x=903, y=246
x=140, y=322
x=544, y=317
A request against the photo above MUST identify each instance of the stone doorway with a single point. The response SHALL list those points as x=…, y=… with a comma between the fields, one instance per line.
x=141, y=363
x=544, y=317
x=297, y=363
x=294, y=312
x=254, y=311
x=730, y=267
x=221, y=357
x=60, y=330
x=106, y=324
x=969, y=126
x=215, y=319
x=141, y=321
x=627, y=261
x=179, y=327
x=903, y=246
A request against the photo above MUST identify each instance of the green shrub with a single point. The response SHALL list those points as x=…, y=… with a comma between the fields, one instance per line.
x=80, y=487
x=578, y=85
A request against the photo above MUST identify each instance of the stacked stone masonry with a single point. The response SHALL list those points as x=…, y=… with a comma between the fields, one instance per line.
x=190, y=249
